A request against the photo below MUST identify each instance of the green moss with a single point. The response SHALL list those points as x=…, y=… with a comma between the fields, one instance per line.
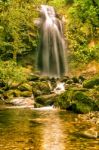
x=1, y=91
x=26, y=94
x=37, y=105
x=33, y=77
x=40, y=88
x=79, y=107
x=11, y=94
x=76, y=101
x=91, y=83
x=81, y=97
x=64, y=100
x=25, y=87
x=45, y=100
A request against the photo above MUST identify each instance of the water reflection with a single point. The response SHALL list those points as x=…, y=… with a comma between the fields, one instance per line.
x=27, y=129
x=53, y=133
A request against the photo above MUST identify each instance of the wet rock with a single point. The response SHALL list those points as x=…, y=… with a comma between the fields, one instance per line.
x=46, y=99
x=40, y=88
x=81, y=79
x=91, y=117
x=90, y=133
x=75, y=80
x=70, y=81
x=21, y=101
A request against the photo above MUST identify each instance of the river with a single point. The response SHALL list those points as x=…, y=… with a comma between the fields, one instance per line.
x=45, y=129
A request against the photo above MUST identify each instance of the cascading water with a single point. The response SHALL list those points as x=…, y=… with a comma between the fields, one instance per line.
x=51, y=54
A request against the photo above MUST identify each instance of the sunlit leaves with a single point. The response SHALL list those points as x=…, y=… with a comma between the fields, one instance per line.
x=82, y=28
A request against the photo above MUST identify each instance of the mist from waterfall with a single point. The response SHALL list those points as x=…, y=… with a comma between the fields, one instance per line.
x=51, y=53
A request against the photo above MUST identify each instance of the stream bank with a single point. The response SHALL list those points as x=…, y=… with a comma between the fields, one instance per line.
x=81, y=95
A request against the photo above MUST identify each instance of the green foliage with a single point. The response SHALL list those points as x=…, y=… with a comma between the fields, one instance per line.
x=57, y=3
x=91, y=83
x=17, y=30
x=80, y=108
x=69, y=1
x=83, y=28
x=11, y=72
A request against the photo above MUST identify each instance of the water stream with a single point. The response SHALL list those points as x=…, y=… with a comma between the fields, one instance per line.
x=45, y=129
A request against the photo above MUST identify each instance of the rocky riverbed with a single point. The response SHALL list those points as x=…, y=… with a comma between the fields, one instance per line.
x=77, y=94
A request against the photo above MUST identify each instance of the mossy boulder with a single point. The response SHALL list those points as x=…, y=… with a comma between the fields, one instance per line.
x=2, y=83
x=1, y=91
x=25, y=87
x=79, y=107
x=83, y=103
x=26, y=94
x=46, y=100
x=38, y=105
x=76, y=101
x=70, y=81
x=75, y=80
x=64, y=100
x=33, y=77
x=11, y=94
x=91, y=82
x=40, y=88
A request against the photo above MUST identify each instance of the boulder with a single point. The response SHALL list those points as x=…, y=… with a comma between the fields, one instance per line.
x=46, y=100
x=21, y=101
x=76, y=101
x=33, y=77
x=91, y=82
x=25, y=87
x=91, y=133
x=40, y=88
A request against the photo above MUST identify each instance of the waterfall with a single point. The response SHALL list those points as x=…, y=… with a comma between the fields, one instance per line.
x=51, y=53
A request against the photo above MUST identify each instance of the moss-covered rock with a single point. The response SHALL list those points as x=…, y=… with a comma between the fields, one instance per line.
x=83, y=103
x=75, y=80
x=1, y=91
x=91, y=82
x=40, y=88
x=38, y=105
x=79, y=107
x=76, y=101
x=33, y=77
x=70, y=81
x=2, y=83
x=26, y=94
x=11, y=94
x=25, y=87
x=81, y=97
x=46, y=99
x=64, y=100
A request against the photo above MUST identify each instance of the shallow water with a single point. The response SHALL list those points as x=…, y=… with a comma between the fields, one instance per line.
x=45, y=129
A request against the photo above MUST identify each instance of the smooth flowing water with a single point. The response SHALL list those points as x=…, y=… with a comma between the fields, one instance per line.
x=51, y=55
x=28, y=129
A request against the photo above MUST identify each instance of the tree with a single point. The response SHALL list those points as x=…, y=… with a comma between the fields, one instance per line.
x=83, y=28
x=18, y=34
